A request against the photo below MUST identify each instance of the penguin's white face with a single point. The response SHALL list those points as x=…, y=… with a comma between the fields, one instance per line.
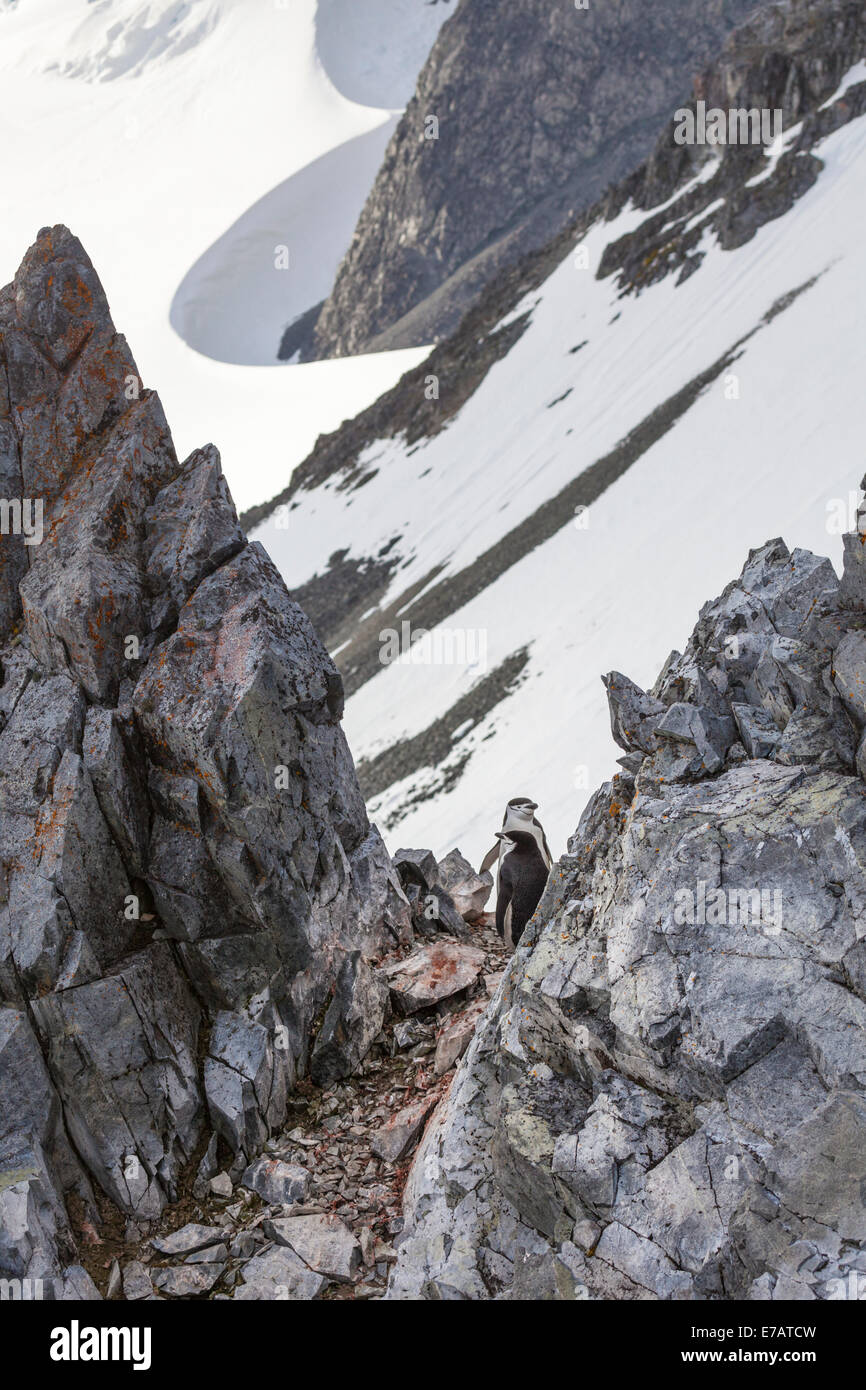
x=523, y=810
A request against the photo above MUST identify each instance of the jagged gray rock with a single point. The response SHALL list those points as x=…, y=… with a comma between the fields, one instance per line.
x=277, y=1183
x=186, y=856
x=468, y=890
x=354, y=1019
x=278, y=1273
x=188, y=1240
x=667, y=1096
x=424, y=885
x=432, y=973
x=396, y=1138
x=324, y=1243
x=187, y=1281
x=455, y=1037
x=136, y=1282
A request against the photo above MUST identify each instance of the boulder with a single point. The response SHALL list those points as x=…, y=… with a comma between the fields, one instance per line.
x=456, y=1036
x=187, y=1281
x=246, y=1080
x=188, y=1239
x=711, y=735
x=278, y=1273
x=324, y=1243
x=433, y=908
x=633, y=714
x=277, y=1183
x=136, y=1281
x=418, y=866
x=468, y=890
x=206, y=1170
x=758, y=730
x=400, y=1133
x=431, y=974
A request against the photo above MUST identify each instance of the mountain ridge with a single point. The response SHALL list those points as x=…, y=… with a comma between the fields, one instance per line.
x=346, y=533
x=583, y=90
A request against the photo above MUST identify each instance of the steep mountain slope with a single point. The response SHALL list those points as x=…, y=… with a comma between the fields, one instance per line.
x=667, y=1098
x=683, y=363
x=211, y=134
x=539, y=106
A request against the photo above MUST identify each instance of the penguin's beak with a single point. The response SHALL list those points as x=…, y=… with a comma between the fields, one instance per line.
x=533, y=805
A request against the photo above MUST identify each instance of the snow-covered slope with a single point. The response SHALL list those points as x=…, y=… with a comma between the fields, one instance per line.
x=152, y=128
x=768, y=441
x=373, y=51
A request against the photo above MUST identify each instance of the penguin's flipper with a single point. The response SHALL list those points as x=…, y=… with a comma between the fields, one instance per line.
x=490, y=858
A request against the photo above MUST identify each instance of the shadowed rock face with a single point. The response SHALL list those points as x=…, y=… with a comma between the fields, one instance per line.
x=667, y=1097
x=540, y=106
x=186, y=856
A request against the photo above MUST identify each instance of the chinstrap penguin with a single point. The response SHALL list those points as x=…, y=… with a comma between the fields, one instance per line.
x=519, y=815
x=522, y=879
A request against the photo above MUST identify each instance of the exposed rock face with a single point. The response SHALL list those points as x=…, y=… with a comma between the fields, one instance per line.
x=667, y=1096
x=539, y=107
x=789, y=58
x=186, y=856
x=354, y=1019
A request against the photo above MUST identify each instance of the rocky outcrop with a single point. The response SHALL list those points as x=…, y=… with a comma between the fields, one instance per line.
x=443, y=895
x=480, y=171
x=667, y=1096
x=316, y=1215
x=187, y=864
x=787, y=58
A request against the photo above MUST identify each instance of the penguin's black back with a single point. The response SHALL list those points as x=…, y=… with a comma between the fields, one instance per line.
x=524, y=872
